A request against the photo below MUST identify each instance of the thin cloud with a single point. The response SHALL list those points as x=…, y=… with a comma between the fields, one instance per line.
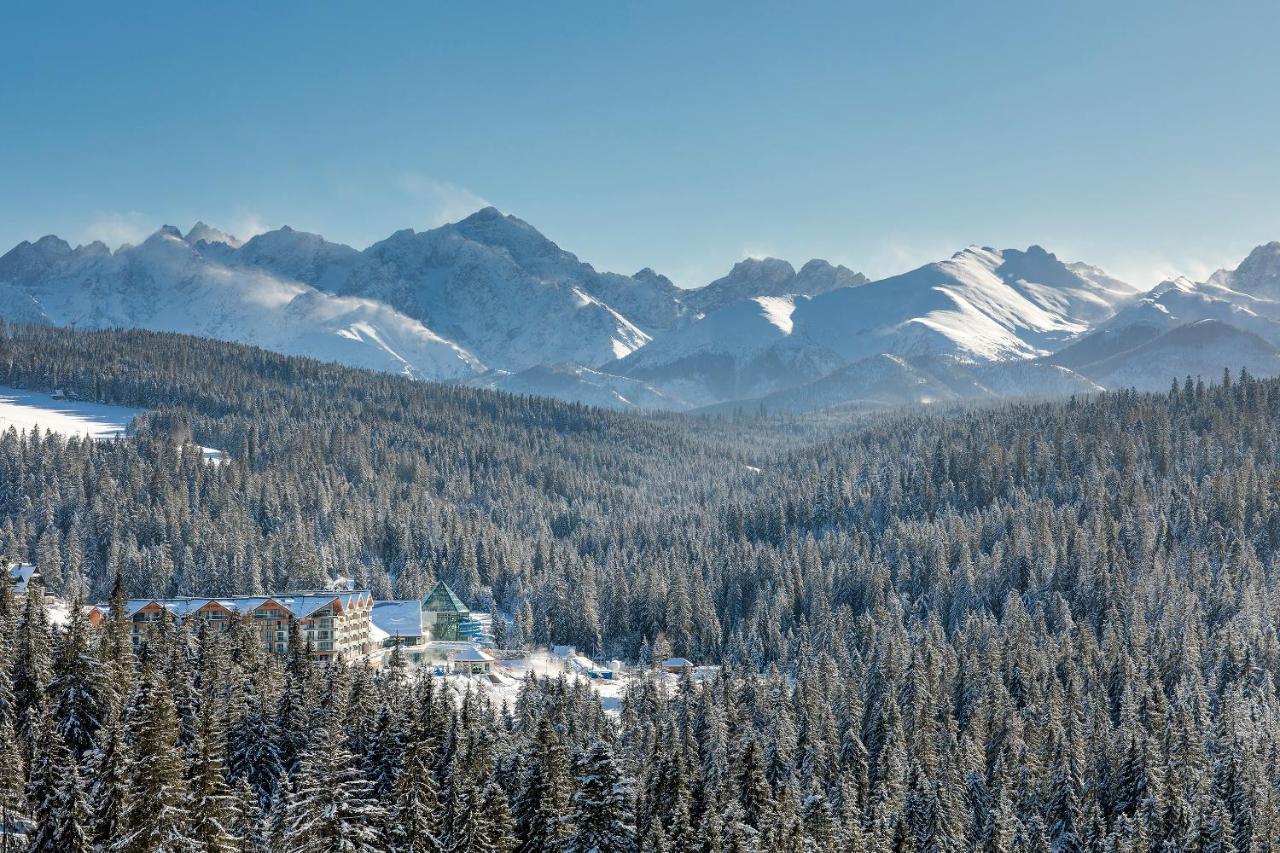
x=248, y=224
x=116, y=228
x=1146, y=270
x=439, y=202
x=894, y=256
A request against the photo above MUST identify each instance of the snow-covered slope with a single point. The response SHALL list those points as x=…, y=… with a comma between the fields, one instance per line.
x=979, y=306
x=770, y=277
x=887, y=380
x=1203, y=348
x=581, y=385
x=515, y=305
x=741, y=350
x=167, y=284
x=491, y=300
x=1183, y=327
x=28, y=410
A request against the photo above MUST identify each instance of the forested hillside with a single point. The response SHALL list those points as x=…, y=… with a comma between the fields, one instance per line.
x=1026, y=627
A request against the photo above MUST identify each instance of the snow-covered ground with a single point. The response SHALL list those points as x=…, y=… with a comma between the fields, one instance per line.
x=26, y=410
x=504, y=683
x=507, y=676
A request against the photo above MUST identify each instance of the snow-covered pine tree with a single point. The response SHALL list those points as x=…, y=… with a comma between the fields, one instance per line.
x=602, y=814
x=8, y=706
x=31, y=664
x=819, y=821
x=253, y=742
x=12, y=771
x=156, y=817
x=77, y=691
x=468, y=829
x=115, y=649
x=250, y=827
x=754, y=795
x=73, y=835
x=48, y=766
x=414, y=825
x=386, y=745
x=499, y=823
x=109, y=770
x=543, y=799
x=211, y=803
x=1062, y=814
x=330, y=807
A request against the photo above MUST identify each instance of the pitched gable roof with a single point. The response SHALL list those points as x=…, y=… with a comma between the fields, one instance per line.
x=444, y=600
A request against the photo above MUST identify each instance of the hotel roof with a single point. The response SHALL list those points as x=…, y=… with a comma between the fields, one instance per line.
x=398, y=618
x=300, y=604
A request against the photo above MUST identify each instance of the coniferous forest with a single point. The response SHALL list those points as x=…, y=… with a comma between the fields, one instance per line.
x=1039, y=626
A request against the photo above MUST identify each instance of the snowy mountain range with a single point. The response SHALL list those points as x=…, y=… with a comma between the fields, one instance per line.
x=491, y=301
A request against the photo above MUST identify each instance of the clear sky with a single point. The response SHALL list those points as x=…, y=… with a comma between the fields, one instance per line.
x=1144, y=137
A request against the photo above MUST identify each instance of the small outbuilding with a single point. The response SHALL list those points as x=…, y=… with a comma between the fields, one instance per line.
x=678, y=666
x=473, y=661
x=21, y=576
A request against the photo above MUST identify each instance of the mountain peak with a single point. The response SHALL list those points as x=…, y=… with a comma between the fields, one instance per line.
x=489, y=223
x=27, y=261
x=167, y=231
x=511, y=234
x=209, y=234
x=649, y=275
x=95, y=249
x=757, y=268
x=51, y=246
x=816, y=265
x=1258, y=274
x=1264, y=259
x=485, y=214
x=1036, y=265
x=819, y=276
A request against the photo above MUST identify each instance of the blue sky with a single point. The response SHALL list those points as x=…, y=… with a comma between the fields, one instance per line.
x=685, y=136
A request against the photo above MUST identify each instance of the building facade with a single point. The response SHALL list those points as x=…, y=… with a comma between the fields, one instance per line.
x=443, y=613
x=334, y=624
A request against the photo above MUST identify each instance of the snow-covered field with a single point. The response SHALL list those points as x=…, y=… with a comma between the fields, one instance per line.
x=26, y=410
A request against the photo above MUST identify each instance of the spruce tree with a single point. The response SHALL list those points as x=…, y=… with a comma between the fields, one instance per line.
x=32, y=663
x=73, y=833
x=110, y=771
x=156, y=816
x=543, y=800
x=211, y=803
x=77, y=691
x=414, y=825
x=330, y=805
x=45, y=789
x=754, y=794
x=602, y=816
x=500, y=826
